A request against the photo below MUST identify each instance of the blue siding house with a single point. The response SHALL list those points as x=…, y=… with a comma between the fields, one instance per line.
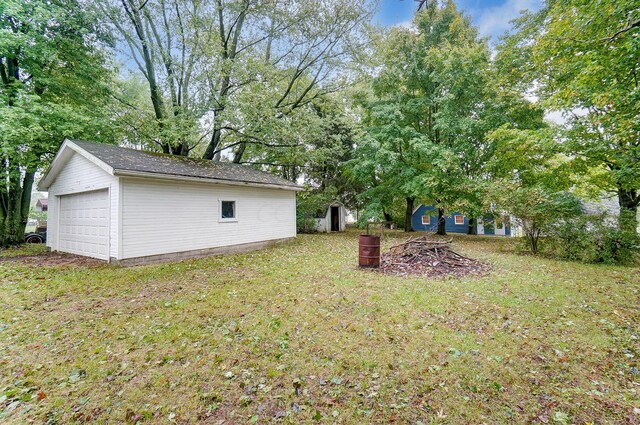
x=425, y=219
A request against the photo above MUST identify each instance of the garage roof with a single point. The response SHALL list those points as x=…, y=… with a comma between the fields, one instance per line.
x=120, y=161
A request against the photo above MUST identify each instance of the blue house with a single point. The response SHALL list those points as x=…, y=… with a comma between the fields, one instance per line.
x=425, y=219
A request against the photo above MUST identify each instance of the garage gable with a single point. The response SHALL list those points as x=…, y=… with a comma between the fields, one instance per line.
x=83, y=208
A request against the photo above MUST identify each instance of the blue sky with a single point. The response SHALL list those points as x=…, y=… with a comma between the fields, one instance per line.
x=492, y=17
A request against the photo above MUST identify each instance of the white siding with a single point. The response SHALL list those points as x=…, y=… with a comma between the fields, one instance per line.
x=81, y=175
x=161, y=217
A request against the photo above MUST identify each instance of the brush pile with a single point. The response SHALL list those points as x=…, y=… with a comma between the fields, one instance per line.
x=428, y=256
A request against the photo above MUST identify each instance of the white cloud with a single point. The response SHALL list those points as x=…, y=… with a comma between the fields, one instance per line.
x=495, y=21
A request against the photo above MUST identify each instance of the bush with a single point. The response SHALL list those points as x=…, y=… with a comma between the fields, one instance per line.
x=592, y=239
x=619, y=247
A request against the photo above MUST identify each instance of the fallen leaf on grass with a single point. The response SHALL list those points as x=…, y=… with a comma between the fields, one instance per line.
x=77, y=375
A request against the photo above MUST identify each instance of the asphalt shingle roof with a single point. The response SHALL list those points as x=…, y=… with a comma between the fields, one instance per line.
x=126, y=159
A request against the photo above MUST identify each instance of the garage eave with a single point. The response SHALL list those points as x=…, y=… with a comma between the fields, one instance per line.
x=143, y=174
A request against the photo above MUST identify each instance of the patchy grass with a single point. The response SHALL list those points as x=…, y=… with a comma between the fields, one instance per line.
x=26, y=249
x=298, y=334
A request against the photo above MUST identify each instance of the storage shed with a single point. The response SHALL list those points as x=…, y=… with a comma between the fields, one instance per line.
x=332, y=219
x=130, y=206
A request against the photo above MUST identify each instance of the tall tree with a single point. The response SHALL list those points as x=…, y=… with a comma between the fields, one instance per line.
x=430, y=111
x=583, y=59
x=168, y=42
x=242, y=69
x=53, y=84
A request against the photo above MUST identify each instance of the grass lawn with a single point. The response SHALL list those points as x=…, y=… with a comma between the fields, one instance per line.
x=297, y=334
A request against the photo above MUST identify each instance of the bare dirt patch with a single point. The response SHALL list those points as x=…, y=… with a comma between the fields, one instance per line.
x=53, y=259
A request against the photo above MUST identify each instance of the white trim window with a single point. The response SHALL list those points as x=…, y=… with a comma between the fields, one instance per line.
x=228, y=210
x=458, y=219
x=426, y=220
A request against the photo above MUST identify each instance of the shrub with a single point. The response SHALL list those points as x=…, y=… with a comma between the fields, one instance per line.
x=592, y=239
x=536, y=209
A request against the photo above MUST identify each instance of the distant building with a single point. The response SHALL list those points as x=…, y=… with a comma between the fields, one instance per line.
x=42, y=204
x=333, y=218
x=425, y=218
x=608, y=206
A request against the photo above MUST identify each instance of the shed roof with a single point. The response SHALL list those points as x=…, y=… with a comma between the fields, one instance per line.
x=131, y=162
x=323, y=211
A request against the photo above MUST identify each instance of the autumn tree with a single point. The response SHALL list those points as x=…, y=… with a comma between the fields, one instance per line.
x=531, y=180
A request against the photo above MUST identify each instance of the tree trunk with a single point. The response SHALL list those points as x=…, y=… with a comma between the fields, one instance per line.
x=229, y=45
x=408, y=226
x=133, y=12
x=237, y=155
x=628, y=201
x=14, y=207
x=442, y=230
x=533, y=242
x=213, y=143
x=473, y=229
x=387, y=219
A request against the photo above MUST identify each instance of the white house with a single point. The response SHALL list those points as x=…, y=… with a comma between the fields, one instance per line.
x=332, y=219
x=129, y=206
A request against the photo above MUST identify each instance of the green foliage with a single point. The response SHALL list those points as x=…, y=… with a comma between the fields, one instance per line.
x=535, y=208
x=582, y=57
x=432, y=106
x=237, y=79
x=592, y=239
x=53, y=84
x=531, y=180
x=38, y=215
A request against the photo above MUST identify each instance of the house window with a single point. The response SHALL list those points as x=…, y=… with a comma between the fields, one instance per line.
x=426, y=219
x=459, y=219
x=227, y=210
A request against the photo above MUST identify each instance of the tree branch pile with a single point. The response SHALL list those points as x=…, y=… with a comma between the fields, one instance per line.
x=428, y=256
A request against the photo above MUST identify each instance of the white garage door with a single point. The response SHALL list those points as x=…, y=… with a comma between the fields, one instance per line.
x=84, y=224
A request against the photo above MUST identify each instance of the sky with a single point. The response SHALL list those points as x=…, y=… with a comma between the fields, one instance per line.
x=492, y=17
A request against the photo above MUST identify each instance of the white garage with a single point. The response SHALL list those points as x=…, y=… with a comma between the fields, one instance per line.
x=129, y=206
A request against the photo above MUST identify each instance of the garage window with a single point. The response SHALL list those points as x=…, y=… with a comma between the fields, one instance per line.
x=459, y=219
x=228, y=211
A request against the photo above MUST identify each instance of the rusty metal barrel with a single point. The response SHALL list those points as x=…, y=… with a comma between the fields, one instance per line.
x=369, y=251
